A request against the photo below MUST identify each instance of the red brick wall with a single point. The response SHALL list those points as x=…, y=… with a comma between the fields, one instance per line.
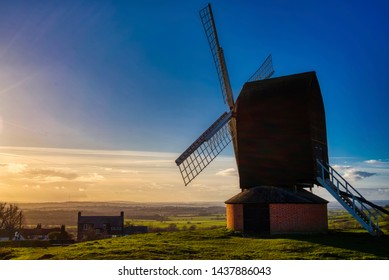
x=290, y=218
x=234, y=216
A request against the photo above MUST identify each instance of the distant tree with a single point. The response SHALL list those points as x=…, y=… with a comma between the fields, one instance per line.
x=172, y=227
x=59, y=235
x=128, y=224
x=11, y=219
x=54, y=235
x=192, y=227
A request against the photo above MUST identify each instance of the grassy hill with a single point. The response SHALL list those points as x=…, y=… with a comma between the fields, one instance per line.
x=215, y=244
x=209, y=239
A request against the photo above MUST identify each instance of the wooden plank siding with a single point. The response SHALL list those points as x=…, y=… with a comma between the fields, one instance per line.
x=280, y=129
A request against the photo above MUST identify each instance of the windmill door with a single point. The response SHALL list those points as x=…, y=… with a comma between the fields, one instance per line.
x=319, y=153
x=256, y=218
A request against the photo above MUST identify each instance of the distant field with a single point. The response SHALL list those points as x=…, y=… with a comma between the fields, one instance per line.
x=182, y=223
x=337, y=220
x=342, y=220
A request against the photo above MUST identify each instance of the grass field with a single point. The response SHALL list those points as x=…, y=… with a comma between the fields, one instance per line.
x=181, y=223
x=210, y=240
x=215, y=244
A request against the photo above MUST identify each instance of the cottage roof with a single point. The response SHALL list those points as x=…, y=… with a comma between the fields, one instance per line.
x=38, y=231
x=99, y=221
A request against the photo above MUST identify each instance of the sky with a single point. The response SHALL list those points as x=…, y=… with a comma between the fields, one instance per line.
x=98, y=98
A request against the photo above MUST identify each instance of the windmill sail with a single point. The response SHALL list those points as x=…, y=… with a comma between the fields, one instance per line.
x=217, y=54
x=205, y=148
x=264, y=72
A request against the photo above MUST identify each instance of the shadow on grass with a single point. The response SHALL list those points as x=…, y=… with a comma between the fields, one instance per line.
x=355, y=241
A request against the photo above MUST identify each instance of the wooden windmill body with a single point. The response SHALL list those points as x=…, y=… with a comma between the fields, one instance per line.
x=281, y=132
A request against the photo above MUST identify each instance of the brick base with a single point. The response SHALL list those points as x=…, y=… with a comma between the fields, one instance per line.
x=298, y=218
x=284, y=218
x=234, y=217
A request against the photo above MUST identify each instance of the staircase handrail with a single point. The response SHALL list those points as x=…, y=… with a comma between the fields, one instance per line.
x=362, y=207
x=331, y=170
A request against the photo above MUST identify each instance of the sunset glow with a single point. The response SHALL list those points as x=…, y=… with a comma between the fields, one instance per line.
x=98, y=98
x=44, y=174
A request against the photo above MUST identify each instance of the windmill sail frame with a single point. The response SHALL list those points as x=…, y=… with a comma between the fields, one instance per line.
x=217, y=54
x=265, y=71
x=206, y=148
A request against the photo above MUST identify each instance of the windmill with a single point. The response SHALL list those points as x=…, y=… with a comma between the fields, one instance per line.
x=277, y=127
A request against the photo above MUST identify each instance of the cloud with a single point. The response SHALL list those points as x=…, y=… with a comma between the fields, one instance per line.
x=35, y=187
x=90, y=178
x=115, y=170
x=352, y=173
x=227, y=172
x=376, y=162
x=15, y=168
x=357, y=175
x=341, y=168
x=114, y=175
x=372, y=161
x=381, y=193
x=51, y=174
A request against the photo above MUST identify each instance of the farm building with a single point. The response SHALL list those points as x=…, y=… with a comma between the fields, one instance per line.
x=91, y=227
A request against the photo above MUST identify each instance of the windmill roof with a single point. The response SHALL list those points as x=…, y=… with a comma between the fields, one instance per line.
x=271, y=194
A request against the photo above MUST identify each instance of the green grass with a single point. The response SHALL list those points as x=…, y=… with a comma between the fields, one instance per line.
x=215, y=244
x=210, y=240
x=182, y=222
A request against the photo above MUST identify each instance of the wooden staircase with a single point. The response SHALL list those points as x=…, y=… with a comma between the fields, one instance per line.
x=364, y=211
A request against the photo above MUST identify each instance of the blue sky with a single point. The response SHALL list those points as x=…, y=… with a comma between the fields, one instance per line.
x=139, y=76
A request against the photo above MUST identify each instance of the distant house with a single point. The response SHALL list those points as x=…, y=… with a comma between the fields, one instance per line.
x=39, y=233
x=90, y=227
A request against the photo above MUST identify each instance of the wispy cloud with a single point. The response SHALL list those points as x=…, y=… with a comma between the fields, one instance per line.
x=90, y=178
x=33, y=187
x=70, y=174
x=375, y=193
x=15, y=168
x=227, y=172
x=357, y=175
x=353, y=173
x=377, y=162
x=341, y=168
x=51, y=174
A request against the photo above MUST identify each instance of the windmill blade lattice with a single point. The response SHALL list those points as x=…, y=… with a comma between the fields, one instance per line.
x=205, y=149
x=217, y=54
x=265, y=71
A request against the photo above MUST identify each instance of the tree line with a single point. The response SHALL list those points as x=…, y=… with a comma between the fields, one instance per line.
x=11, y=219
